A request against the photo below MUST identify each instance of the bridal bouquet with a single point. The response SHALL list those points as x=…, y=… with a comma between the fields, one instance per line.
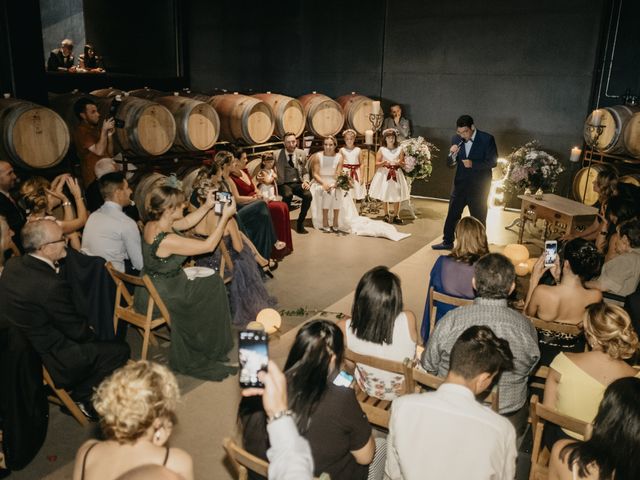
x=343, y=182
x=532, y=168
x=417, y=157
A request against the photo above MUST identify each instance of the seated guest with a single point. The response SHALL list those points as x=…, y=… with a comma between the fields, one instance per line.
x=579, y=261
x=247, y=293
x=327, y=415
x=200, y=317
x=448, y=433
x=279, y=211
x=452, y=274
x=379, y=327
x=621, y=274
x=92, y=192
x=137, y=407
x=576, y=381
x=621, y=208
x=61, y=59
x=109, y=233
x=89, y=61
x=40, y=197
x=38, y=301
x=253, y=216
x=493, y=280
x=9, y=208
x=396, y=121
x=611, y=452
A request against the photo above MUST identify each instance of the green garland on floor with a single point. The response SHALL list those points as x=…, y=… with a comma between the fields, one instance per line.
x=304, y=312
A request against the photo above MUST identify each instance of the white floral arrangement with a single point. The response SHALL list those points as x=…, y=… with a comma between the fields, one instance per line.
x=532, y=168
x=417, y=157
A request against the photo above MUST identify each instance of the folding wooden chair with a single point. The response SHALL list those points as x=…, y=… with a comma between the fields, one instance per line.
x=63, y=398
x=442, y=298
x=540, y=415
x=243, y=462
x=125, y=310
x=377, y=410
x=420, y=380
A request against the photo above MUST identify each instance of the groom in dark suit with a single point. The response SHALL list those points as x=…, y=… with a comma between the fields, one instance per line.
x=37, y=300
x=293, y=177
x=474, y=154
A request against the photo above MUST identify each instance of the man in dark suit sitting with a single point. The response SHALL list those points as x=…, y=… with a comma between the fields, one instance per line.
x=474, y=154
x=38, y=301
x=293, y=177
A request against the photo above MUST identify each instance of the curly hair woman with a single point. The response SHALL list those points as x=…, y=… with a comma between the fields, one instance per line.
x=137, y=405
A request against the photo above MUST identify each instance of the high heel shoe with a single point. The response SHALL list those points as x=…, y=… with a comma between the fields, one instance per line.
x=267, y=271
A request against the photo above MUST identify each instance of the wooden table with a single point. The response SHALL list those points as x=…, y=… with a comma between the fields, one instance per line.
x=561, y=214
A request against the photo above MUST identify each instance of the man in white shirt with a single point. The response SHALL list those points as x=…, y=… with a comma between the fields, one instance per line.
x=448, y=433
x=109, y=233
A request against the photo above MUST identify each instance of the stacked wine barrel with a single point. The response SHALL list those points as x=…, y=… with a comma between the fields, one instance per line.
x=32, y=136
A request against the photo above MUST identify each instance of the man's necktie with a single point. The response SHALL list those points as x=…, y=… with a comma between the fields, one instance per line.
x=291, y=161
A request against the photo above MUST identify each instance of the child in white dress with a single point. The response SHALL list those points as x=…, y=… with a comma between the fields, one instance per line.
x=389, y=184
x=325, y=167
x=351, y=164
x=266, y=179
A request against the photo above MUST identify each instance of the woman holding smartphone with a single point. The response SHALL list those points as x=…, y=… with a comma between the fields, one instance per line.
x=200, y=316
x=327, y=415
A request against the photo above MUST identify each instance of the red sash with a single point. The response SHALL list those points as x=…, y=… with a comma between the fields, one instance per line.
x=392, y=172
x=353, y=170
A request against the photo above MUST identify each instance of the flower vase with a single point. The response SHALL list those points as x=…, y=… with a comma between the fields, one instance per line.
x=407, y=205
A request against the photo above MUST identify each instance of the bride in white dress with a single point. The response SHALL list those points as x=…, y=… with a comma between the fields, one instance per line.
x=389, y=184
x=351, y=164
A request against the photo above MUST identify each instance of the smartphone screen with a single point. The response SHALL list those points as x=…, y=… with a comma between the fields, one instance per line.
x=343, y=379
x=253, y=356
x=223, y=197
x=550, y=252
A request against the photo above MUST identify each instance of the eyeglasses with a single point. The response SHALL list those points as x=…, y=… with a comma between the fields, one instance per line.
x=63, y=239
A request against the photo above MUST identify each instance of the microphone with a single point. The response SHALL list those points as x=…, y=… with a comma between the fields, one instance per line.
x=452, y=159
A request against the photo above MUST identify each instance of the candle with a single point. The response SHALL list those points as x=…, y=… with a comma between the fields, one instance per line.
x=375, y=107
x=368, y=137
x=575, y=154
x=596, y=118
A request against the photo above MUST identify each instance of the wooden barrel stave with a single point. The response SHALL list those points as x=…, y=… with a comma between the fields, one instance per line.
x=324, y=115
x=631, y=135
x=32, y=136
x=243, y=119
x=356, y=111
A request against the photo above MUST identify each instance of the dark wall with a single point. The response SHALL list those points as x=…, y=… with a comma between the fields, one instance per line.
x=290, y=47
x=523, y=70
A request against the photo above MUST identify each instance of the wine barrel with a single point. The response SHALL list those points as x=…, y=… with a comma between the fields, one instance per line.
x=613, y=119
x=631, y=135
x=197, y=123
x=324, y=116
x=243, y=119
x=288, y=112
x=149, y=128
x=32, y=136
x=583, y=184
x=144, y=186
x=356, y=111
x=632, y=179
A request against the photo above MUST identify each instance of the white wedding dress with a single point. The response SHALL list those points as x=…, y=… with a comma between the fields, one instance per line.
x=348, y=220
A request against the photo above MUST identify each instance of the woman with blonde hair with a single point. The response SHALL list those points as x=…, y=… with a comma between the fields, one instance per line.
x=137, y=406
x=199, y=309
x=39, y=198
x=452, y=274
x=577, y=381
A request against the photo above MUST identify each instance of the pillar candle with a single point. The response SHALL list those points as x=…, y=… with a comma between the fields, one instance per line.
x=596, y=118
x=575, y=154
x=368, y=137
x=375, y=107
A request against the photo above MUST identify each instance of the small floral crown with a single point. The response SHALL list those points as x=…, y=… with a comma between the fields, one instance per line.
x=389, y=131
x=173, y=182
x=349, y=130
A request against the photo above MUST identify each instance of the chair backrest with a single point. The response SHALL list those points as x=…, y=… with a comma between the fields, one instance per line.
x=435, y=296
x=241, y=460
x=558, y=327
x=380, y=363
x=419, y=378
x=121, y=279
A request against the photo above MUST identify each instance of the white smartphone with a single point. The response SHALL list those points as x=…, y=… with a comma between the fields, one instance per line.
x=550, y=252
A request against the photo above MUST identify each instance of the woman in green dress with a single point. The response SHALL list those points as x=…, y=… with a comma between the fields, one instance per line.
x=200, y=317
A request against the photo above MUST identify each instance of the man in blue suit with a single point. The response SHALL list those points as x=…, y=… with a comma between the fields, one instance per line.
x=474, y=154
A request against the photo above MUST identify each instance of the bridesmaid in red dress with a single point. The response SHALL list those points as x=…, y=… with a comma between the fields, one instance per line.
x=278, y=210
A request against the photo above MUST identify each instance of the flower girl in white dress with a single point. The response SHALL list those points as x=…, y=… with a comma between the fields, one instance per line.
x=389, y=184
x=351, y=164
